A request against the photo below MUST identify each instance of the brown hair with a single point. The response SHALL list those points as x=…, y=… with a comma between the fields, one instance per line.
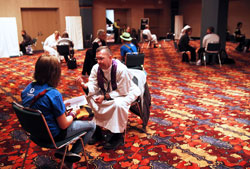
x=47, y=70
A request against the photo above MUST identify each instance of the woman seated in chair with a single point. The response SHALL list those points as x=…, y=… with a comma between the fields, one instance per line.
x=184, y=44
x=62, y=125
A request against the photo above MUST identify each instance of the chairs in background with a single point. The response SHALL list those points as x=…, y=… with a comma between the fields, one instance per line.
x=36, y=127
x=213, y=50
x=145, y=40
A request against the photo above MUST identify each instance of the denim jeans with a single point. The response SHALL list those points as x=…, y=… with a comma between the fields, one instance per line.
x=78, y=126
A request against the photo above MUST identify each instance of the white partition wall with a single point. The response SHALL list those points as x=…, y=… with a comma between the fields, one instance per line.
x=9, y=45
x=74, y=29
x=178, y=25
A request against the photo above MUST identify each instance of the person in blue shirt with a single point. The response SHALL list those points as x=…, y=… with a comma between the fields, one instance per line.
x=62, y=125
x=128, y=46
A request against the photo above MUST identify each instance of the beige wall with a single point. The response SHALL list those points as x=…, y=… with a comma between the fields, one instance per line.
x=238, y=11
x=12, y=8
x=136, y=12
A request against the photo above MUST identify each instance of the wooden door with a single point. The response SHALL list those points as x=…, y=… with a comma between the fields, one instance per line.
x=155, y=19
x=40, y=23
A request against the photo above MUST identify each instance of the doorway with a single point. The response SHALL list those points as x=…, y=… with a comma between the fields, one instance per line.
x=40, y=23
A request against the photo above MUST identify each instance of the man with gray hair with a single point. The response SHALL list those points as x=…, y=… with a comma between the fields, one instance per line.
x=110, y=92
x=90, y=56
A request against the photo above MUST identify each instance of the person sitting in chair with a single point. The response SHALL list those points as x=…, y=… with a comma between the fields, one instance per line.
x=151, y=37
x=210, y=37
x=66, y=41
x=184, y=44
x=26, y=41
x=61, y=123
x=239, y=37
x=128, y=46
x=50, y=43
x=110, y=92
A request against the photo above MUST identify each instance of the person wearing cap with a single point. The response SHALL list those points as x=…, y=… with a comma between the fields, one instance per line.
x=128, y=46
x=151, y=37
x=183, y=30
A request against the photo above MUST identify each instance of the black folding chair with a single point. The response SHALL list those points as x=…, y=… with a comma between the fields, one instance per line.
x=212, y=49
x=145, y=40
x=64, y=50
x=36, y=127
x=134, y=60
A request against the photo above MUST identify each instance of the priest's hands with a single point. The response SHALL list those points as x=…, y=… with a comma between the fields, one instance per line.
x=99, y=99
x=80, y=82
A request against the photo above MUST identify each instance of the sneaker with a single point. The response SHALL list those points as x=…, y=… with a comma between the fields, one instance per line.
x=198, y=63
x=69, y=157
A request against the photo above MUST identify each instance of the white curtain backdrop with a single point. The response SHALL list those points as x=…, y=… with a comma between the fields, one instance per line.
x=74, y=29
x=9, y=45
x=178, y=25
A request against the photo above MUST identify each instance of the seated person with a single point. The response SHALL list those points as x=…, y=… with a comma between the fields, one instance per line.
x=110, y=92
x=66, y=41
x=127, y=46
x=50, y=43
x=183, y=44
x=151, y=37
x=210, y=37
x=62, y=125
x=135, y=38
x=90, y=57
x=239, y=37
x=26, y=41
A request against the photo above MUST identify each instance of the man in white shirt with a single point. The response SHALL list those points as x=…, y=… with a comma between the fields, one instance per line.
x=210, y=37
x=151, y=37
x=50, y=43
x=110, y=92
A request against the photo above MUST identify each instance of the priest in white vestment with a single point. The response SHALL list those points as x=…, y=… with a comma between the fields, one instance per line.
x=110, y=92
x=50, y=43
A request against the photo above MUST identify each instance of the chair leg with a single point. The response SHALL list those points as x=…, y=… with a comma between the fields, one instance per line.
x=219, y=59
x=65, y=151
x=26, y=152
x=148, y=44
x=204, y=58
x=142, y=44
x=84, y=153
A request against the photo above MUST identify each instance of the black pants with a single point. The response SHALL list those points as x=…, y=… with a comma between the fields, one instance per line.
x=192, y=50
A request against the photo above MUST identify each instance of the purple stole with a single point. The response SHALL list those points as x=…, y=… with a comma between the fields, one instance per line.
x=100, y=77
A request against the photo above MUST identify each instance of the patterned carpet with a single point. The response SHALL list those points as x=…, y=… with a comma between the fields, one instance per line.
x=200, y=116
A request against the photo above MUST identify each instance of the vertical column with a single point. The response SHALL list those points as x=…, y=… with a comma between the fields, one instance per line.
x=215, y=13
x=86, y=13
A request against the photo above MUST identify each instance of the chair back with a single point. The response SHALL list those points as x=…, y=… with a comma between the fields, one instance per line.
x=63, y=49
x=34, y=123
x=213, y=47
x=134, y=60
x=145, y=37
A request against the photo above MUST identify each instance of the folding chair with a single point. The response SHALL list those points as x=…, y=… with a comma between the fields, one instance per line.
x=36, y=127
x=145, y=40
x=64, y=50
x=212, y=49
x=134, y=60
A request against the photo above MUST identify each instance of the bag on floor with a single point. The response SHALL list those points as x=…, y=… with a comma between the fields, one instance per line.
x=72, y=63
x=185, y=57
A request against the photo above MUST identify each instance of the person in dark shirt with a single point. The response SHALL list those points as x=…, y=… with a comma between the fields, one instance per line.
x=184, y=44
x=26, y=41
x=239, y=37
